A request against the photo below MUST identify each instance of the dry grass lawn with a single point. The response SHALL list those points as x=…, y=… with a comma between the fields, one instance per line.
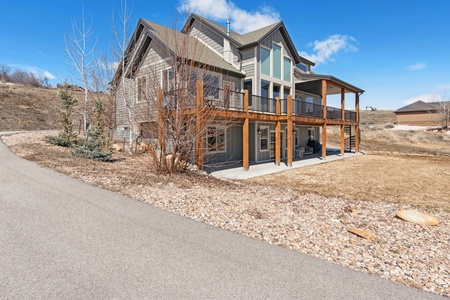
x=421, y=181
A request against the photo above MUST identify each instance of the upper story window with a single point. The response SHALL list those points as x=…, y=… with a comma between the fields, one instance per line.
x=211, y=85
x=265, y=61
x=276, y=61
x=287, y=69
x=168, y=80
x=141, y=89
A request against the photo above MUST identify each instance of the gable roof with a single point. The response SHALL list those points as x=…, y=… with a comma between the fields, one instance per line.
x=420, y=106
x=179, y=44
x=249, y=38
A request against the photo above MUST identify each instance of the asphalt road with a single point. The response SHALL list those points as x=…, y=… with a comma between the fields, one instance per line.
x=63, y=239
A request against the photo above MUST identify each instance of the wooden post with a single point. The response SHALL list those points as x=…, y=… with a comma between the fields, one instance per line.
x=324, y=126
x=160, y=120
x=278, y=134
x=245, y=131
x=343, y=119
x=289, y=133
x=200, y=143
x=357, y=123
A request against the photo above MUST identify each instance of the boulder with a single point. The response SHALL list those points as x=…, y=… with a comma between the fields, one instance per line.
x=117, y=147
x=414, y=216
x=362, y=233
x=143, y=147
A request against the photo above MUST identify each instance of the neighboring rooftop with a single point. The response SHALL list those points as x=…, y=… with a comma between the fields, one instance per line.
x=420, y=106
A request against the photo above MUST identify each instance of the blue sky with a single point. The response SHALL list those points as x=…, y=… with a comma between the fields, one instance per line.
x=397, y=51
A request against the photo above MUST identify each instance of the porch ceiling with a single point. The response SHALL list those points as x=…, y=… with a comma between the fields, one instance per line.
x=312, y=83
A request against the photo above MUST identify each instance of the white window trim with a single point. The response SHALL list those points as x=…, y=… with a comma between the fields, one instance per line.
x=270, y=61
x=268, y=138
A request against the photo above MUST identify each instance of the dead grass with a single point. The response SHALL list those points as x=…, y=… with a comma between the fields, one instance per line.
x=417, y=180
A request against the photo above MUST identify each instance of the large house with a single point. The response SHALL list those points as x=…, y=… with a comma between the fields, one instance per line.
x=276, y=106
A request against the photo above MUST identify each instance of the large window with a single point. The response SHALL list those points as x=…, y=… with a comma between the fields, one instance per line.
x=211, y=85
x=287, y=69
x=276, y=61
x=169, y=80
x=215, y=137
x=248, y=86
x=265, y=61
x=265, y=85
x=264, y=138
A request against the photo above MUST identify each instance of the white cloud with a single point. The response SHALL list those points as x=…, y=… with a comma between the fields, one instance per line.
x=35, y=70
x=325, y=50
x=416, y=67
x=49, y=75
x=424, y=98
x=242, y=21
x=442, y=88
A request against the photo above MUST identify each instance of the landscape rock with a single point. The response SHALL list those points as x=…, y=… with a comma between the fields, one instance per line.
x=362, y=233
x=414, y=216
x=117, y=147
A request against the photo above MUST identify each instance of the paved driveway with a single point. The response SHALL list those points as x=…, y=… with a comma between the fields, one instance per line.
x=63, y=239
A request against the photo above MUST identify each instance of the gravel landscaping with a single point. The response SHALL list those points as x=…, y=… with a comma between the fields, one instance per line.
x=407, y=253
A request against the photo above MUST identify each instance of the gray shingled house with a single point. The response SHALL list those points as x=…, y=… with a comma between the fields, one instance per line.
x=276, y=105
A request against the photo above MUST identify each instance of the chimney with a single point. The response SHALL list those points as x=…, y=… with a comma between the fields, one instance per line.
x=228, y=27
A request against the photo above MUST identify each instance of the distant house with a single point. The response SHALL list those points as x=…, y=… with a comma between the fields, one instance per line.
x=257, y=81
x=420, y=113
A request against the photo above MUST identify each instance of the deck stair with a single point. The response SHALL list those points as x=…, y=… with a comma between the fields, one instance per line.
x=350, y=141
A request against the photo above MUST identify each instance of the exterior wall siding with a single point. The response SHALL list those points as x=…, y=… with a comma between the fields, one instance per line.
x=233, y=147
x=209, y=37
x=419, y=118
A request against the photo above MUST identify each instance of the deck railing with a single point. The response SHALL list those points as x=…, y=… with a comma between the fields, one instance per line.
x=301, y=107
x=225, y=99
x=263, y=104
x=334, y=113
x=229, y=99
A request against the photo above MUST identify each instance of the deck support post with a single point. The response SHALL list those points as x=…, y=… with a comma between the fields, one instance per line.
x=357, y=123
x=161, y=144
x=200, y=143
x=245, y=134
x=278, y=134
x=343, y=119
x=324, y=126
x=289, y=131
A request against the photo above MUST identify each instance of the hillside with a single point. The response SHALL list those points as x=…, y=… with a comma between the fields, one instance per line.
x=27, y=108
x=377, y=117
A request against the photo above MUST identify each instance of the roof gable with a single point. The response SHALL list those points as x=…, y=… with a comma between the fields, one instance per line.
x=420, y=106
x=249, y=38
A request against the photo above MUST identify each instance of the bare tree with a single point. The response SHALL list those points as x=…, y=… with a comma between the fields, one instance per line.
x=121, y=32
x=101, y=75
x=79, y=47
x=444, y=112
x=183, y=119
x=4, y=72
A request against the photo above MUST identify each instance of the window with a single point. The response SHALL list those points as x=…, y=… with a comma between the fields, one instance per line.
x=211, y=85
x=287, y=69
x=141, y=89
x=286, y=93
x=265, y=61
x=309, y=105
x=311, y=134
x=215, y=137
x=248, y=86
x=276, y=61
x=265, y=85
x=264, y=138
x=168, y=80
x=276, y=91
